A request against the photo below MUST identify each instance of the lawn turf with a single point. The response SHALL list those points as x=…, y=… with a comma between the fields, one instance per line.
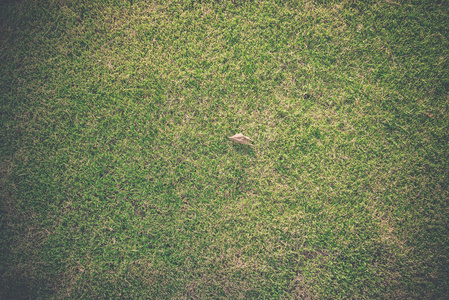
x=118, y=180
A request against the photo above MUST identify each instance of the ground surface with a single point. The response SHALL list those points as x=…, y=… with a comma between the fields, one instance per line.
x=117, y=177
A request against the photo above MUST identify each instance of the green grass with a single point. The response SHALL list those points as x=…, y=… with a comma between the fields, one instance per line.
x=117, y=179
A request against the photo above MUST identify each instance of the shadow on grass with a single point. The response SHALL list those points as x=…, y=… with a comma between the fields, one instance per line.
x=245, y=149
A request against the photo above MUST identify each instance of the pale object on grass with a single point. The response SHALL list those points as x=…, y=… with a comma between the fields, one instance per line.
x=241, y=139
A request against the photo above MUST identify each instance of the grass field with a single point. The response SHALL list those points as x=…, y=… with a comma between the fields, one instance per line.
x=118, y=180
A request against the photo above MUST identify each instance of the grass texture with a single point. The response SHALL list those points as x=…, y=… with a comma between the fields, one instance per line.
x=118, y=180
